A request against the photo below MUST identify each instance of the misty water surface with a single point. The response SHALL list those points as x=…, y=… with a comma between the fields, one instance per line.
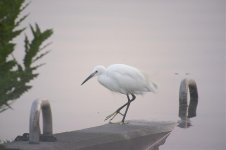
x=164, y=39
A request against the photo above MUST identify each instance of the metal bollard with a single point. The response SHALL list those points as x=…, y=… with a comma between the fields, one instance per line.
x=187, y=111
x=34, y=127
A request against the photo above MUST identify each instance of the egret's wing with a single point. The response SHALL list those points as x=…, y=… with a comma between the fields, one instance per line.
x=128, y=79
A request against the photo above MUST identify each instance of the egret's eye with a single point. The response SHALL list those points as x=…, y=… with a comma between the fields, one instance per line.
x=96, y=71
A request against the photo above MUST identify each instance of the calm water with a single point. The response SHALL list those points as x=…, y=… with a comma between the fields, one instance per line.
x=161, y=38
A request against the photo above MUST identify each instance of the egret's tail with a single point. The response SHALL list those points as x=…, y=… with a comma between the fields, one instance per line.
x=153, y=87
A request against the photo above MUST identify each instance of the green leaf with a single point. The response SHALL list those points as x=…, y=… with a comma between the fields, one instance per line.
x=15, y=77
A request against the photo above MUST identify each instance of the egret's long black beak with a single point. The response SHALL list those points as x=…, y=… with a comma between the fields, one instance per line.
x=89, y=77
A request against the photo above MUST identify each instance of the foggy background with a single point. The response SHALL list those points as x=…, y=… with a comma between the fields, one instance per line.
x=160, y=37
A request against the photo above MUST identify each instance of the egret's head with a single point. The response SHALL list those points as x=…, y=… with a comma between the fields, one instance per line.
x=98, y=70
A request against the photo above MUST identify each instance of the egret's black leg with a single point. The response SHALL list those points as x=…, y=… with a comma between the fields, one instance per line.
x=112, y=116
x=128, y=104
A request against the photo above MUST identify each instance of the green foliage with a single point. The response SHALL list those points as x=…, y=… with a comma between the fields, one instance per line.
x=14, y=77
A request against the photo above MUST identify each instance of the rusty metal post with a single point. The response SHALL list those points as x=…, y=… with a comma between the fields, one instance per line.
x=187, y=111
x=34, y=127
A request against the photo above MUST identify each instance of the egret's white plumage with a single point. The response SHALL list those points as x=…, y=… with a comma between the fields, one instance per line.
x=123, y=79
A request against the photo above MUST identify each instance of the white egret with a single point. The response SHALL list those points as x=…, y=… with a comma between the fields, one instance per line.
x=123, y=79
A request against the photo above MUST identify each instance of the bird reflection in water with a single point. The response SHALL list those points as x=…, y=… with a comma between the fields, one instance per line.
x=188, y=90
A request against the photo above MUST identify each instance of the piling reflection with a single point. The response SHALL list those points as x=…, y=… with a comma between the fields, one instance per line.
x=187, y=111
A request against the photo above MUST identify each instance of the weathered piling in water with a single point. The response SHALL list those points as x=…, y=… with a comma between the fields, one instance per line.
x=187, y=111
